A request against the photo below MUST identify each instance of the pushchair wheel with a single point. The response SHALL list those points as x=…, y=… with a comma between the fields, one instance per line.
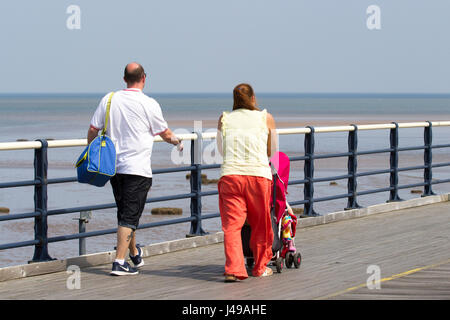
x=250, y=262
x=279, y=264
x=297, y=260
x=289, y=259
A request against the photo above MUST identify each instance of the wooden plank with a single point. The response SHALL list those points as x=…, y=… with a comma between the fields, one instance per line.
x=433, y=283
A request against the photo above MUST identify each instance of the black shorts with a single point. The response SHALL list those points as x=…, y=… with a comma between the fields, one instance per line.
x=130, y=193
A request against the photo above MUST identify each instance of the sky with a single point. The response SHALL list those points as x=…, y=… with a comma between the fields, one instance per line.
x=196, y=46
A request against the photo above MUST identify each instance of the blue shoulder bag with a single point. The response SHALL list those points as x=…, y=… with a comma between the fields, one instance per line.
x=97, y=163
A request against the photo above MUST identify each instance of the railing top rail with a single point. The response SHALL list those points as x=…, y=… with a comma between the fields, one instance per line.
x=23, y=145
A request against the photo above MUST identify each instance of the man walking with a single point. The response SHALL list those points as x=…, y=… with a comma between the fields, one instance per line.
x=134, y=120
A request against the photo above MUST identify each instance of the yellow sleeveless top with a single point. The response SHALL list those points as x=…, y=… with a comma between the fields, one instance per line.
x=244, y=143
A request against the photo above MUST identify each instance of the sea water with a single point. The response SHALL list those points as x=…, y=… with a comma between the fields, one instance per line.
x=31, y=117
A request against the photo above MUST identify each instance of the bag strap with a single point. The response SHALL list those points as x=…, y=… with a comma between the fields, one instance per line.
x=108, y=107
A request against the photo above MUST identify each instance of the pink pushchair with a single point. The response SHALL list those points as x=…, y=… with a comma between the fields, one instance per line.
x=284, y=223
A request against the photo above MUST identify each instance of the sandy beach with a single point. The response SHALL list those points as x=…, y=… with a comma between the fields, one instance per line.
x=320, y=120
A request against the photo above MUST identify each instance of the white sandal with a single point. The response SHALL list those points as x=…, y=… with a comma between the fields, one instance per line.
x=267, y=272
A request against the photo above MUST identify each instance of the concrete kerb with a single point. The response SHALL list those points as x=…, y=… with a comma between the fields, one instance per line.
x=102, y=258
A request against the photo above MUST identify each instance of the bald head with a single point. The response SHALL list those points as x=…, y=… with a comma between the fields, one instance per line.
x=134, y=73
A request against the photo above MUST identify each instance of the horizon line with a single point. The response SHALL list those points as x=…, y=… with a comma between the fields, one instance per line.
x=230, y=93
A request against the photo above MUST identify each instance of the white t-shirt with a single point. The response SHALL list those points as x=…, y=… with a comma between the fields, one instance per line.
x=134, y=119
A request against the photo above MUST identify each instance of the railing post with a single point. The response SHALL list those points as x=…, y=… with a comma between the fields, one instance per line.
x=394, y=164
x=428, y=160
x=352, y=168
x=196, y=185
x=84, y=218
x=40, y=204
x=308, y=189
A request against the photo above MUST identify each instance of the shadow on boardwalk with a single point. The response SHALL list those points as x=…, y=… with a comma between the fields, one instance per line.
x=211, y=273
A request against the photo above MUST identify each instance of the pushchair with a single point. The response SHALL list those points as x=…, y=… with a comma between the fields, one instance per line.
x=284, y=223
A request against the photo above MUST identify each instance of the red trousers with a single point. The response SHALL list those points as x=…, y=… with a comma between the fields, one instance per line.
x=241, y=198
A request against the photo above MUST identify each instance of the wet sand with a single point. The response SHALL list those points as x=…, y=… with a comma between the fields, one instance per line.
x=320, y=120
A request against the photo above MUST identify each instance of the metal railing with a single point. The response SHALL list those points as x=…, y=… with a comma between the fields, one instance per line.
x=40, y=181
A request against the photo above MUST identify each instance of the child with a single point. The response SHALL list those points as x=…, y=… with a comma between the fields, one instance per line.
x=288, y=227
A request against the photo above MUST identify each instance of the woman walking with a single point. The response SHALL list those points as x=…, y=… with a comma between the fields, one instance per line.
x=245, y=139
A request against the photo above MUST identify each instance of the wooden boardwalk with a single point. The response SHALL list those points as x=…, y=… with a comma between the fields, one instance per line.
x=410, y=247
